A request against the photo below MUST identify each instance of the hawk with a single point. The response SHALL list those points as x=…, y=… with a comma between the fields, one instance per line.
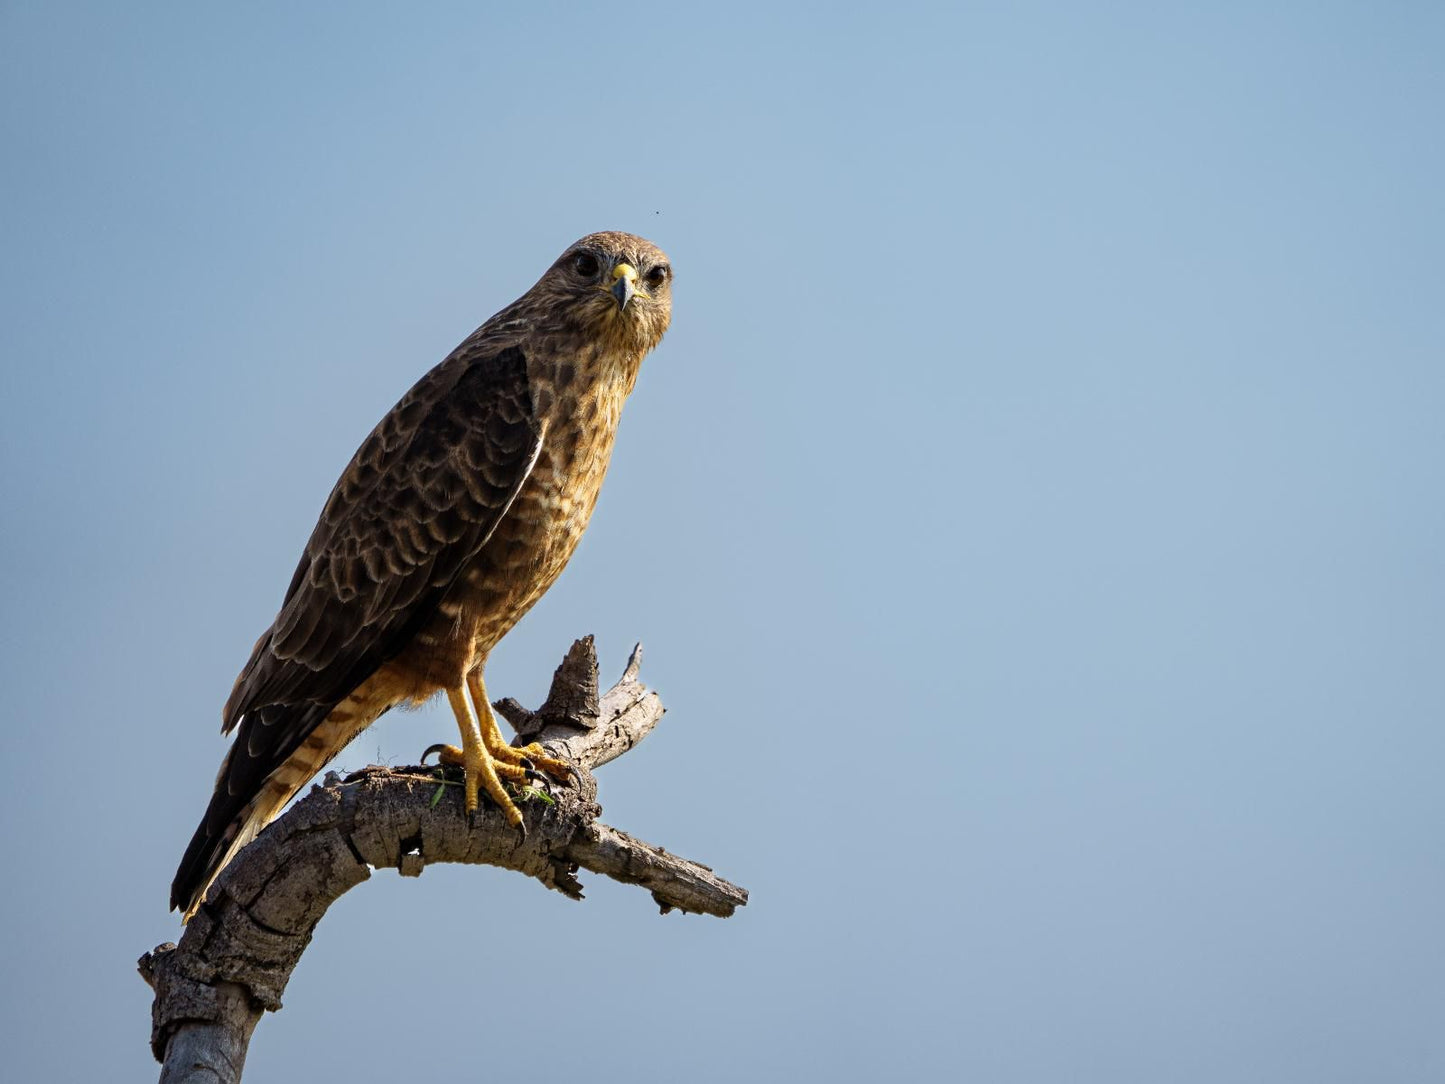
x=453, y=518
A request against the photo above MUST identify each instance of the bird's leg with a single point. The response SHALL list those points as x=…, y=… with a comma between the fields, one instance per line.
x=532, y=755
x=482, y=770
x=485, y=755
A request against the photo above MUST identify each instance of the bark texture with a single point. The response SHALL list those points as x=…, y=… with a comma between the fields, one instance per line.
x=238, y=952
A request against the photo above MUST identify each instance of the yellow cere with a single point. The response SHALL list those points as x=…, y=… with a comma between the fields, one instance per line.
x=625, y=270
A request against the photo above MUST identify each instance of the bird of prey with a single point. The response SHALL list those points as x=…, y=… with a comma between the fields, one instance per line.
x=453, y=518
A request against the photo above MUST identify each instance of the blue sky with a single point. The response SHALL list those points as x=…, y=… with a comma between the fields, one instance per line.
x=1033, y=520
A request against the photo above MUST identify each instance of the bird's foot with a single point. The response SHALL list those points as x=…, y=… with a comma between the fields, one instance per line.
x=528, y=756
x=481, y=770
x=449, y=756
x=486, y=758
x=487, y=771
x=516, y=765
x=482, y=773
x=533, y=758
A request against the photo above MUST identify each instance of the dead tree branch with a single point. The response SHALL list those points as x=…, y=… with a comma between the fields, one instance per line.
x=238, y=952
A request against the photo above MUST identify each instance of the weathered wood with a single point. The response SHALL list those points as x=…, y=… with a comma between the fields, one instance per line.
x=572, y=700
x=237, y=954
x=675, y=882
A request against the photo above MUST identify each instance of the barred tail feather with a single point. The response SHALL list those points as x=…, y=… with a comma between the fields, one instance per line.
x=278, y=750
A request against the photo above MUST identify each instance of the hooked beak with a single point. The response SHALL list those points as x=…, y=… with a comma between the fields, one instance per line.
x=623, y=276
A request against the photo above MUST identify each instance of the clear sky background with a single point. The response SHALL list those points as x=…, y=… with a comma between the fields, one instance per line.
x=1033, y=520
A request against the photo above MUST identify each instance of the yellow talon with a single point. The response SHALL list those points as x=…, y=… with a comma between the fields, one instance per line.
x=452, y=757
x=486, y=758
x=497, y=745
x=480, y=769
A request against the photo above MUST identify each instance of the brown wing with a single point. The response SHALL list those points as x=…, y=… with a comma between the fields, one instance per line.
x=419, y=499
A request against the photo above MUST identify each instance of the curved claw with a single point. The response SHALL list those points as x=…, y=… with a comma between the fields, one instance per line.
x=573, y=772
x=548, y=759
x=437, y=749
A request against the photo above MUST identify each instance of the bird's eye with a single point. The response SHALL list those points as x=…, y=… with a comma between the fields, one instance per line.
x=585, y=264
x=656, y=276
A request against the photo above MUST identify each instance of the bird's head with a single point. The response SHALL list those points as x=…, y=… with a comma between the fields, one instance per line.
x=616, y=285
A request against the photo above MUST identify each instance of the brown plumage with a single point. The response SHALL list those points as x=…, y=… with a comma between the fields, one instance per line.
x=453, y=518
